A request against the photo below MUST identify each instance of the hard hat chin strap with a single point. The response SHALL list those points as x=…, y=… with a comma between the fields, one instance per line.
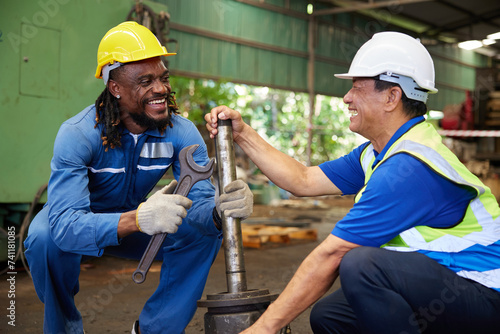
x=108, y=68
x=408, y=85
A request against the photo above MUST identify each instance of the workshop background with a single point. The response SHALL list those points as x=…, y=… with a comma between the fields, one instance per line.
x=272, y=59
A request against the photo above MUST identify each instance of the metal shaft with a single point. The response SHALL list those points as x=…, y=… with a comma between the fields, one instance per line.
x=231, y=227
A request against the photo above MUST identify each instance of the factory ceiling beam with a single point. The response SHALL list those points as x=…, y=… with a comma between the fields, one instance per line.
x=486, y=18
x=471, y=20
x=354, y=6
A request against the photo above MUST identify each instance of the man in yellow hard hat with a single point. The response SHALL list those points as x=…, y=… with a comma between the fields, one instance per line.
x=106, y=160
x=419, y=252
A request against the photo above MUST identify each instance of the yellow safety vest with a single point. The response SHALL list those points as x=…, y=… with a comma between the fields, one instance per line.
x=480, y=226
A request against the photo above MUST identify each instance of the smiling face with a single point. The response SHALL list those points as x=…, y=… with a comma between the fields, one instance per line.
x=365, y=106
x=144, y=90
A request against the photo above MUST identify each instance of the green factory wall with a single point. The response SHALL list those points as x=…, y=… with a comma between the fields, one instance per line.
x=47, y=65
x=223, y=43
x=48, y=50
x=217, y=39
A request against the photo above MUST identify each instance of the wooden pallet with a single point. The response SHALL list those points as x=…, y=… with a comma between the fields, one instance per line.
x=258, y=235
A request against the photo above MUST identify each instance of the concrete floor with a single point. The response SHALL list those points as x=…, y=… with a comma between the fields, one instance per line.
x=110, y=302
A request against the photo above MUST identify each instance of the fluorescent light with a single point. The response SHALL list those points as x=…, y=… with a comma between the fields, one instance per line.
x=494, y=36
x=486, y=51
x=435, y=114
x=310, y=9
x=489, y=41
x=470, y=45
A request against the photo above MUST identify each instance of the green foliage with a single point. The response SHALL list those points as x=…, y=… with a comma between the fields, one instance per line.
x=196, y=97
x=281, y=117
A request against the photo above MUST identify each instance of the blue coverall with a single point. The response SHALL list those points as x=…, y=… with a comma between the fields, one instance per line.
x=88, y=190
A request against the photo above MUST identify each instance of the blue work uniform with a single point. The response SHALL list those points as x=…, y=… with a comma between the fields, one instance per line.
x=89, y=188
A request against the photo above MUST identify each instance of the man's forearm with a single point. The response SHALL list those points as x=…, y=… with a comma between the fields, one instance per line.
x=281, y=169
x=312, y=280
x=307, y=286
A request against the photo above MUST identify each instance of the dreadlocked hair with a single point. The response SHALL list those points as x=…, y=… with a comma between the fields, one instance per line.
x=172, y=106
x=108, y=114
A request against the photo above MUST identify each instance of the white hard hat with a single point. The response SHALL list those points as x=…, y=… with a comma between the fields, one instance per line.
x=398, y=58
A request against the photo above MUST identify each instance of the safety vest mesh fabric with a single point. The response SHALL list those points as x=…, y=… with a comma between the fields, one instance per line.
x=480, y=224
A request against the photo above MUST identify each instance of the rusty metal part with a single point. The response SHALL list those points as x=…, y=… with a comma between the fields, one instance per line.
x=191, y=173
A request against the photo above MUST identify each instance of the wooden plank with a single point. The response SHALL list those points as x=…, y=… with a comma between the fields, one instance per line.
x=308, y=234
x=494, y=114
x=255, y=236
x=492, y=122
x=251, y=241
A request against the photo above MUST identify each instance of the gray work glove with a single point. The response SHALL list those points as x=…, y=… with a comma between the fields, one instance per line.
x=163, y=211
x=236, y=201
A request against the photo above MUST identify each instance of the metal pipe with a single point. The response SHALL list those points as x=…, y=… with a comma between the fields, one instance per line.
x=238, y=308
x=231, y=227
x=310, y=85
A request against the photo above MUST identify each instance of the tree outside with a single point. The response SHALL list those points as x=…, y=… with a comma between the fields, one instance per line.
x=281, y=117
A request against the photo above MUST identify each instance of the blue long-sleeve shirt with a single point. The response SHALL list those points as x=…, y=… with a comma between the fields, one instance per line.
x=89, y=187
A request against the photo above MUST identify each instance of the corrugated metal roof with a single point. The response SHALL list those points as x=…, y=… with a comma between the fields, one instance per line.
x=266, y=43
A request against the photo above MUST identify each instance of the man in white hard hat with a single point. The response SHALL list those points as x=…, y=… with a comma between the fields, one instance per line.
x=420, y=249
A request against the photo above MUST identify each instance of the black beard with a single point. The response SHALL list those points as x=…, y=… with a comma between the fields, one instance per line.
x=144, y=120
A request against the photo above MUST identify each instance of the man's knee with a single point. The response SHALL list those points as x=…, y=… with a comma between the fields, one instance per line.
x=359, y=260
x=333, y=314
x=41, y=250
x=39, y=240
x=317, y=318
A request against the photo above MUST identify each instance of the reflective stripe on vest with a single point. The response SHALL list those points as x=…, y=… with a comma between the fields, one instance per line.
x=481, y=222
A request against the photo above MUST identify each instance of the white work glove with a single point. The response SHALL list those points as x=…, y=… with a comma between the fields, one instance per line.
x=163, y=211
x=236, y=201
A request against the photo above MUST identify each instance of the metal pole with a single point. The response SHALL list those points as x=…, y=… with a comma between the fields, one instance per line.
x=310, y=86
x=231, y=227
x=238, y=308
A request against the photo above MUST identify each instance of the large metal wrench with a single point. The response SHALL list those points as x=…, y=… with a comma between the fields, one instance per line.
x=191, y=173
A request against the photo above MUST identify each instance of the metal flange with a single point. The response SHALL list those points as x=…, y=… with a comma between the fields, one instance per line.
x=248, y=300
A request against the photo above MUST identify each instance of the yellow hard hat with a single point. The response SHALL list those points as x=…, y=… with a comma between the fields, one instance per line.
x=129, y=41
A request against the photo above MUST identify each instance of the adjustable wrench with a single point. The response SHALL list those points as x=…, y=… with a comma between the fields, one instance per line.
x=191, y=173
